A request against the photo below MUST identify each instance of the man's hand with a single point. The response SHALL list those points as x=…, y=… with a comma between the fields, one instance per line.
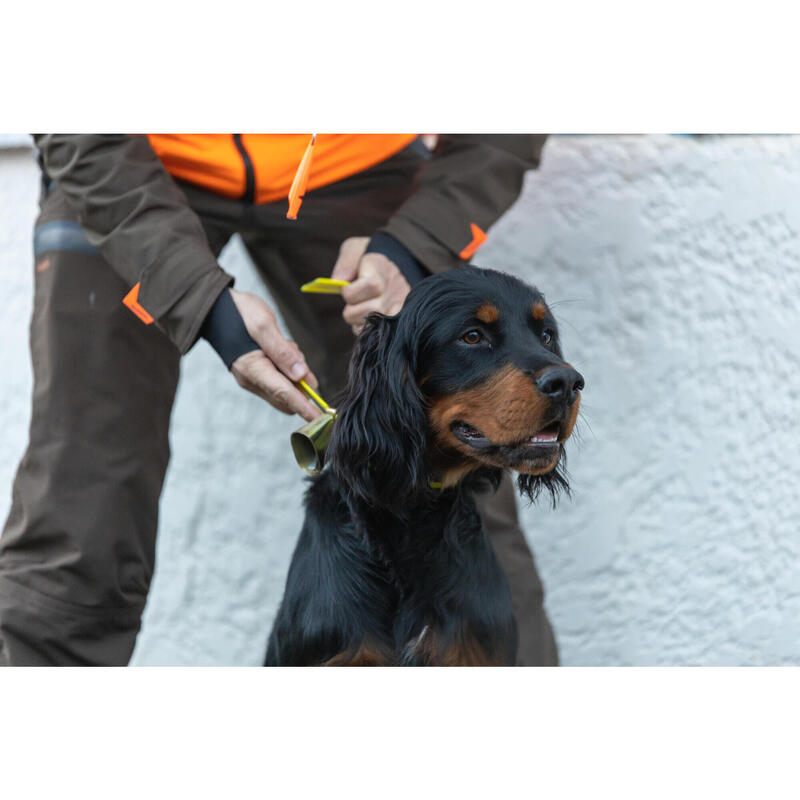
x=377, y=284
x=269, y=372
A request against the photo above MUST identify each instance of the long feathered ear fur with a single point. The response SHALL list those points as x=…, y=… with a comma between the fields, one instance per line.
x=377, y=448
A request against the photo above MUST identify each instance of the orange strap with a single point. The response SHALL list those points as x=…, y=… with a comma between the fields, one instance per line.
x=131, y=300
x=478, y=238
x=298, y=190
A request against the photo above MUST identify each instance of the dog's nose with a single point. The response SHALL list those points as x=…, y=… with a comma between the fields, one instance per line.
x=561, y=383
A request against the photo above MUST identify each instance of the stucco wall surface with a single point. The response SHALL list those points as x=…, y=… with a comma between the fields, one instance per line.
x=673, y=264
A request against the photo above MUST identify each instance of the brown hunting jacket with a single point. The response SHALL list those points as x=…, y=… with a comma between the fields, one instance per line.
x=123, y=190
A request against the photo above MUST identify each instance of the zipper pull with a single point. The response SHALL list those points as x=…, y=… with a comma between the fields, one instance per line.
x=298, y=190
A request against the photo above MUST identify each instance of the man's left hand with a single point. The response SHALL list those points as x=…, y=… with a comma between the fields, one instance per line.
x=376, y=283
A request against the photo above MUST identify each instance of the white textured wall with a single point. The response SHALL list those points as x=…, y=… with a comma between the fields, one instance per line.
x=674, y=267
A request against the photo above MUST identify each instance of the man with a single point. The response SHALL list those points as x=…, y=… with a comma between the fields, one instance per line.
x=126, y=281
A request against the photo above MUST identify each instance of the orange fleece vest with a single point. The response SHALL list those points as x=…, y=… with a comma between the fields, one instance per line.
x=263, y=165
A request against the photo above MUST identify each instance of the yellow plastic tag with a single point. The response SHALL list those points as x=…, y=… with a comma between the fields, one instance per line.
x=312, y=395
x=324, y=286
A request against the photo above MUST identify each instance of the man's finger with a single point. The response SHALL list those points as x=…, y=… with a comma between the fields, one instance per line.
x=346, y=266
x=257, y=374
x=363, y=289
x=356, y=314
x=284, y=354
x=259, y=319
x=311, y=378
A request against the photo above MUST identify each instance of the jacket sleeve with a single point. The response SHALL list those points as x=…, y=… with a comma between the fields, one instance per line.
x=135, y=214
x=469, y=182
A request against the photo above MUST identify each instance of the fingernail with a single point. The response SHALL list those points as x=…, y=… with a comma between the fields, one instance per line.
x=297, y=370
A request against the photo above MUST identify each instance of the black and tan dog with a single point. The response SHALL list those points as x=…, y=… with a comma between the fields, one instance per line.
x=393, y=565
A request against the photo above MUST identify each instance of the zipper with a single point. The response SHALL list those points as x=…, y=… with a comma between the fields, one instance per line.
x=249, y=195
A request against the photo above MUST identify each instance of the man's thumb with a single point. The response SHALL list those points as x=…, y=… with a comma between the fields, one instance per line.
x=346, y=266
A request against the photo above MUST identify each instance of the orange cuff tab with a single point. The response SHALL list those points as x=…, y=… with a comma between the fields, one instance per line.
x=300, y=182
x=478, y=238
x=131, y=300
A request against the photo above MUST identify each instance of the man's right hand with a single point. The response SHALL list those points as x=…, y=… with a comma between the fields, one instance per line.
x=270, y=372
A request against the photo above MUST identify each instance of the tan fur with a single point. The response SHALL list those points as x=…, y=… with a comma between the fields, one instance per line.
x=506, y=407
x=454, y=475
x=487, y=313
x=465, y=652
x=539, y=311
x=365, y=656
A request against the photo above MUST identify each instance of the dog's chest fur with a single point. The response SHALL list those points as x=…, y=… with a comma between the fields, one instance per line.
x=366, y=587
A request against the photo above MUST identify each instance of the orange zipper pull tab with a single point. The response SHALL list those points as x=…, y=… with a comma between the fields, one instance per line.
x=298, y=190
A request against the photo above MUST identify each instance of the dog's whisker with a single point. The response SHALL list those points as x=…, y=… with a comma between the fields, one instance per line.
x=584, y=421
x=567, y=322
x=567, y=301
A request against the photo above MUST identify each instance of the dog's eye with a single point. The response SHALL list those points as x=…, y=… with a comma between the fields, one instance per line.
x=472, y=337
x=547, y=337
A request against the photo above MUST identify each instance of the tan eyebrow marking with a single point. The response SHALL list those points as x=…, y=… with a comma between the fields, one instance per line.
x=487, y=313
x=539, y=311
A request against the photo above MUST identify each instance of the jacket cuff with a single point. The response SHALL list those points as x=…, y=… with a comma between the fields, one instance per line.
x=428, y=251
x=225, y=331
x=399, y=255
x=188, y=315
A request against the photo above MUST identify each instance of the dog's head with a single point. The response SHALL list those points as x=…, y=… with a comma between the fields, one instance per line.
x=468, y=376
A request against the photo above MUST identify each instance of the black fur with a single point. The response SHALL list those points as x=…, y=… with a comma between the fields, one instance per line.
x=349, y=585
x=383, y=558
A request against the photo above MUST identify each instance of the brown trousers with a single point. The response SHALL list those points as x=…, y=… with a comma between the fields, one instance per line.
x=78, y=550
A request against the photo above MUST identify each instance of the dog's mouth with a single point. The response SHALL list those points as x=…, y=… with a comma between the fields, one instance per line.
x=532, y=453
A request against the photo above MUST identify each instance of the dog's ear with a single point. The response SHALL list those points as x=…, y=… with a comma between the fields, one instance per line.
x=377, y=448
